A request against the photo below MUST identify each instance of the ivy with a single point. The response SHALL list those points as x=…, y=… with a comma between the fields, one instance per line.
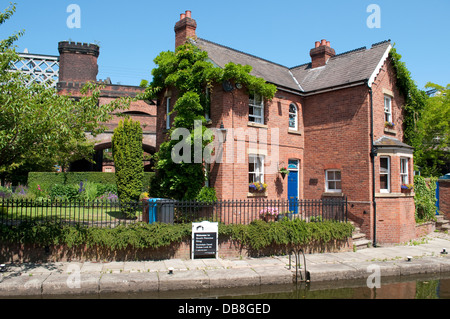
x=425, y=198
x=415, y=101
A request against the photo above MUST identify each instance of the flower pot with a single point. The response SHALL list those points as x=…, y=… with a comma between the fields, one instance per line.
x=269, y=218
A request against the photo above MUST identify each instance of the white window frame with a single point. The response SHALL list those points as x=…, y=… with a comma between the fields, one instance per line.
x=404, y=173
x=258, y=172
x=253, y=105
x=387, y=173
x=335, y=180
x=387, y=109
x=294, y=116
x=167, y=113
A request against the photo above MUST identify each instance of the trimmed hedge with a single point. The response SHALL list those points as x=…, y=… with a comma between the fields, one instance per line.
x=47, y=179
x=256, y=235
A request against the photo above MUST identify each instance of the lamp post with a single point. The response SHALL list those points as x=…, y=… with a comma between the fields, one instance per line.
x=224, y=131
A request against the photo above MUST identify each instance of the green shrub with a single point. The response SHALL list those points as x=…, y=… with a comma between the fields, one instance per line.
x=425, y=198
x=206, y=195
x=64, y=192
x=3, y=210
x=106, y=189
x=46, y=180
x=128, y=154
x=256, y=235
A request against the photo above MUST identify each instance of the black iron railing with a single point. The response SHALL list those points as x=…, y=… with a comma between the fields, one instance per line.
x=110, y=213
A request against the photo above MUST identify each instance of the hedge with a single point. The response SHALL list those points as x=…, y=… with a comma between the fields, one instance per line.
x=47, y=179
x=256, y=235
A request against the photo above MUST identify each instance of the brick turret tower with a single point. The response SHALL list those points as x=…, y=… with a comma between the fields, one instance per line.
x=77, y=64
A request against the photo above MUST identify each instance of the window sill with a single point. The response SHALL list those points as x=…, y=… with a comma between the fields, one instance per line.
x=394, y=195
x=389, y=130
x=253, y=124
x=333, y=194
x=291, y=131
x=256, y=194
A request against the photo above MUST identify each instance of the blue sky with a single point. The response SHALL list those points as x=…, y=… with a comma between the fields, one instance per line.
x=132, y=33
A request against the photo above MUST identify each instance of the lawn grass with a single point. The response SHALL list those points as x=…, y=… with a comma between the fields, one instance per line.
x=74, y=211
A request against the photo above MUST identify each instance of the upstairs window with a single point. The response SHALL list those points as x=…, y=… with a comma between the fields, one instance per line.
x=168, y=113
x=293, y=117
x=387, y=109
x=256, y=108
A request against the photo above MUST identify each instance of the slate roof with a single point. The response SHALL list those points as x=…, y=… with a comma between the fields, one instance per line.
x=390, y=142
x=353, y=66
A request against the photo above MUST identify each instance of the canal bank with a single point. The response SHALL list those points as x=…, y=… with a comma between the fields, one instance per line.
x=175, y=275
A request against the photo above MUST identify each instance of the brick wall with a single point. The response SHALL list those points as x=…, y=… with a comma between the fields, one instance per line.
x=444, y=197
x=231, y=109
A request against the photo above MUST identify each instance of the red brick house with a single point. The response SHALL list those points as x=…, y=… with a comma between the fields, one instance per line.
x=335, y=122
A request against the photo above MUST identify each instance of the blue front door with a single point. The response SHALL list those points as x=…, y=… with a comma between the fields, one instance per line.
x=293, y=191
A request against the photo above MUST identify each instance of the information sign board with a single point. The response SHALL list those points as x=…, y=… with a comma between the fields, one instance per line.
x=204, y=239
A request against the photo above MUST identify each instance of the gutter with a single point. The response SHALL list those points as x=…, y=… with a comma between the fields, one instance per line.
x=373, y=153
x=319, y=91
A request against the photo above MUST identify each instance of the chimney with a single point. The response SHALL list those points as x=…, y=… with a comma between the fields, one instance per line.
x=321, y=53
x=184, y=28
x=77, y=62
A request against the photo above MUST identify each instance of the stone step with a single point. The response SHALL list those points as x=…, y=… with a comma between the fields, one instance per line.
x=361, y=243
x=356, y=236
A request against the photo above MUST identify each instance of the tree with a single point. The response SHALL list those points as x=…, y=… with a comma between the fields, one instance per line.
x=193, y=76
x=39, y=126
x=433, y=133
x=128, y=155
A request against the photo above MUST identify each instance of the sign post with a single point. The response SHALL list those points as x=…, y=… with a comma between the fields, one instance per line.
x=205, y=240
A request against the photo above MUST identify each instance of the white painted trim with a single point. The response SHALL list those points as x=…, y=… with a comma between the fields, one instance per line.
x=380, y=64
x=295, y=80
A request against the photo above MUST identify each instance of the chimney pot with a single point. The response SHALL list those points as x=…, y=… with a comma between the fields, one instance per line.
x=321, y=53
x=184, y=28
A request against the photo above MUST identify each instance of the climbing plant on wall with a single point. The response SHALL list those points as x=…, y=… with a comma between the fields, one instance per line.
x=190, y=74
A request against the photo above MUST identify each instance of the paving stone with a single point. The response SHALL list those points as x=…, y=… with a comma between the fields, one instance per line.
x=91, y=267
x=223, y=278
x=17, y=285
x=179, y=280
x=74, y=283
x=129, y=282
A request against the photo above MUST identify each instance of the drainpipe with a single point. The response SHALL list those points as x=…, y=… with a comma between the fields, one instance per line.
x=373, y=153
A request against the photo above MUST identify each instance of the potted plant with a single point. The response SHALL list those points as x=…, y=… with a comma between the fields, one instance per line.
x=407, y=188
x=257, y=187
x=269, y=214
x=283, y=171
x=389, y=124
